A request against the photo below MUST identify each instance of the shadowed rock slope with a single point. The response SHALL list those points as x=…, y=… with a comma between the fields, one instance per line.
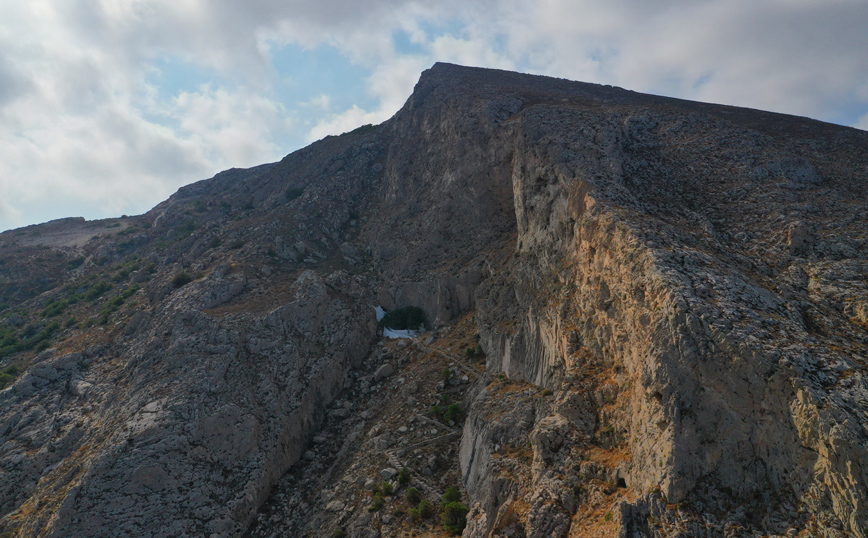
x=671, y=297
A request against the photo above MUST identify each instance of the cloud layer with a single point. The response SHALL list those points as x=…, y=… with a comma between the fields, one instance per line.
x=107, y=107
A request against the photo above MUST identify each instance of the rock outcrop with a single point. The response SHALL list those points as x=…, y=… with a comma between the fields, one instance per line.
x=671, y=298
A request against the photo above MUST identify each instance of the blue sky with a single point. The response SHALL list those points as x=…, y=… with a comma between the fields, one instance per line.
x=108, y=106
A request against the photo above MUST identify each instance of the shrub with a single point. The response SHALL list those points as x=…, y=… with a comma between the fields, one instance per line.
x=473, y=352
x=407, y=317
x=181, y=279
x=413, y=496
x=404, y=476
x=453, y=413
x=214, y=242
x=424, y=511
x=235, y=245
x=376, y=505
x=339, y=533
x=452, y=495
x=293, y=192
x=454, y=517
x=387, y=489
x=5, y=379
x=97, y=289
x=185, y=230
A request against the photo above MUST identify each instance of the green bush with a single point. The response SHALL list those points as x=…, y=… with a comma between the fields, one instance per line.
x=6, y=379
x=452, y=495
x=54, y=308
x=472, y=352
x=424, y=511
x=413, y=496
x=454, y=517
x=185, y=230
x=407, y=317
x=376, y=504
x=404, y=476
x=97, y=289
x=293, y=192
x=235, y=245
x=181, y=279
x=453, y=413
x=386, y=489
x=339, y=533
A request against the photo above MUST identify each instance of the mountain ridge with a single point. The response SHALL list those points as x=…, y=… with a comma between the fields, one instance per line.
x=670, y=298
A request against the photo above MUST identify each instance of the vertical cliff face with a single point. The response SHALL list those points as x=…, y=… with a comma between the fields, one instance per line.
x=671, y=296
x=660, y=246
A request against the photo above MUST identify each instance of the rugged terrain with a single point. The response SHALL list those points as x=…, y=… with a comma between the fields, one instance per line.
x=652, y=315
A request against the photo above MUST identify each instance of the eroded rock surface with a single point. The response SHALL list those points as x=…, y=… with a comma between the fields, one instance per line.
x=671, y=299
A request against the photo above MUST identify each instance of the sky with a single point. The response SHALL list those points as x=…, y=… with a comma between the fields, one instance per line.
x=107, y=107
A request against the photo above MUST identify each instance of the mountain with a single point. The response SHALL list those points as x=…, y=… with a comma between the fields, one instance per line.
x=646, y=317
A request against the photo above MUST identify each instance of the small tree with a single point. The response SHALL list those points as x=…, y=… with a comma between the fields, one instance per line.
x=181, y=279
x=424, y=511
x=413, y=496
x=452, y=495
x=404, y=476
x=454, y=517
x=453, y=413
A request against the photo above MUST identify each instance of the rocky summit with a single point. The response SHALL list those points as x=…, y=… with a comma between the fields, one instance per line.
x=644, y=317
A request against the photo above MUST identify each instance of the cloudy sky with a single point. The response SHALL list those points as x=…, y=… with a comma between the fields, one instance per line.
x=108, y=106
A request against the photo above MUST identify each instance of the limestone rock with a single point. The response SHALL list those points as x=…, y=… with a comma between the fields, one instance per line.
x=670, y=296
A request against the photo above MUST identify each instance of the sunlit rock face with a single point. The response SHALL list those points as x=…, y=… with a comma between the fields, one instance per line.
x=671, y=300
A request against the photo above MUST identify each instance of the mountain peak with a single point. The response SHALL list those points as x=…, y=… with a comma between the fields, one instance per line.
x=638, y=314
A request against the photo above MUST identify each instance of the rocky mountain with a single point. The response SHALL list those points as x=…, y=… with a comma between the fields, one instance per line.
x=647, y=317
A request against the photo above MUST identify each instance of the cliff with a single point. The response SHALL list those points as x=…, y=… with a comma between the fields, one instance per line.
x=671, y=299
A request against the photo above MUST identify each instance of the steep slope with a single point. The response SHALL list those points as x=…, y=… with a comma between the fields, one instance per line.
x=671, y=297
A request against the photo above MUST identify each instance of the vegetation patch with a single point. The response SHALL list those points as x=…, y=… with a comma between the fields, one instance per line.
x=7, y=376
x=293, y=192
x=181, y=279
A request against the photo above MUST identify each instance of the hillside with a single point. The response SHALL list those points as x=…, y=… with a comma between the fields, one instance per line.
x=651, y=316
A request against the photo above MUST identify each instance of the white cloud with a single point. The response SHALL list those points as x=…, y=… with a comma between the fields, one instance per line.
x=343, y=122
x=83, y=124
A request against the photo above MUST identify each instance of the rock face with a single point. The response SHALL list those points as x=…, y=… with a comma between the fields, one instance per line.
x=671, y=298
